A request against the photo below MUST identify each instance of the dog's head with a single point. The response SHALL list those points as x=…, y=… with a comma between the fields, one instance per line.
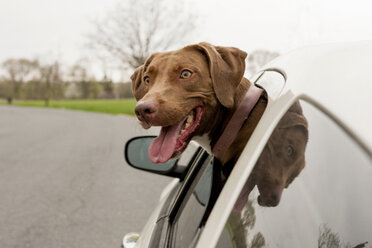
x=180, y=91
x=283, y=157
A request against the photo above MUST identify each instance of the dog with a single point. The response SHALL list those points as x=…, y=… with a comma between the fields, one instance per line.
x=192, y=93
x=281, y=161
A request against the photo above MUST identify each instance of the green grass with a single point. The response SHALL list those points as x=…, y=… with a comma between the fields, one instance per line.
x=122, y=106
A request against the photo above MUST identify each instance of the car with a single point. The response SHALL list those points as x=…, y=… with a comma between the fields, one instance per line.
x=326, y=203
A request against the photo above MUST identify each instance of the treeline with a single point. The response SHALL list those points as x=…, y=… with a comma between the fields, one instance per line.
x=33, y=80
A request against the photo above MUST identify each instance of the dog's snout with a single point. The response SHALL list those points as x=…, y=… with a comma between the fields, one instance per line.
x=145, y=110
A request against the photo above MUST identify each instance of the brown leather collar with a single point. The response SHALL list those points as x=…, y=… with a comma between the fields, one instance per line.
x=237, y=120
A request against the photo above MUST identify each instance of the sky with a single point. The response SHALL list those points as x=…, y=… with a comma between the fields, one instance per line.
x=57, y=29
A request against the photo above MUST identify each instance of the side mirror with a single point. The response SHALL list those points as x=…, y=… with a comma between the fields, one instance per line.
x=136, y=155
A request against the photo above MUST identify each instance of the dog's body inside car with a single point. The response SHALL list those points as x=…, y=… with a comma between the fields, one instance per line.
x=192, y=93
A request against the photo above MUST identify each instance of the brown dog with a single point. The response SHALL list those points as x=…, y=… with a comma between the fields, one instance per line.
x=190, y=93
x=281, y=161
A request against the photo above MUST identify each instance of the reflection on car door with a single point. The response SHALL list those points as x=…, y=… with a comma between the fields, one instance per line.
x=326, y=203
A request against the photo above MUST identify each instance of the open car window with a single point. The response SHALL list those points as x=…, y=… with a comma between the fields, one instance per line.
x=311, y=187
x=187, y=223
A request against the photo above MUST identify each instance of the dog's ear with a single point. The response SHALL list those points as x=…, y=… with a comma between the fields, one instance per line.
x=292, y=119
x=226, y=65
x=138, y=88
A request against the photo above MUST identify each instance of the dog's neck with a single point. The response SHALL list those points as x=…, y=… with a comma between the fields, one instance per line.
x=222, y=117
x=237, y=120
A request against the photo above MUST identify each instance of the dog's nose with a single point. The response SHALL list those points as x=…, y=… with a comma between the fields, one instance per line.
x=145, y=110
x=274, y=197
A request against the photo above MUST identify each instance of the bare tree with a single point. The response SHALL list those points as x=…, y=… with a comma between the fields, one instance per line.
x=79, y=76
x=259, y=58
x=49, y=74
x=82, y=81
x=80, y=71
x=18, y=71
x=137, y=28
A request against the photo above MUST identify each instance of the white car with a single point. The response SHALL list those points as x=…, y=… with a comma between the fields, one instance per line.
x=328, y=204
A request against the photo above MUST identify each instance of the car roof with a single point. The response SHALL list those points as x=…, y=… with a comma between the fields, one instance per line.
x=338, y=77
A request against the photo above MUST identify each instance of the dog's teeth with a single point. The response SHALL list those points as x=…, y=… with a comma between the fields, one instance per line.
x=189, y=118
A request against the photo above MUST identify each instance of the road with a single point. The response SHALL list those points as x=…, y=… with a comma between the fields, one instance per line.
x=64, y=182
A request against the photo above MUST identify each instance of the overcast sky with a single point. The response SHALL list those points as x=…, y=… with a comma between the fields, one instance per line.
x=56, y=28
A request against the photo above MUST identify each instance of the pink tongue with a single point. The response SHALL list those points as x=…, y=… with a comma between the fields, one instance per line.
x=163, y=147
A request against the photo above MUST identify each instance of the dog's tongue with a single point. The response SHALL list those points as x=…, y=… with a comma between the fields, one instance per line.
x=163, y=147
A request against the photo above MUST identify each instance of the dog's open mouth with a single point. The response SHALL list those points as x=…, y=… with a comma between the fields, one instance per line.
x=173, y=139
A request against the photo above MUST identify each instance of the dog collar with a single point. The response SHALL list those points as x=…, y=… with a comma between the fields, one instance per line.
x=237, y=120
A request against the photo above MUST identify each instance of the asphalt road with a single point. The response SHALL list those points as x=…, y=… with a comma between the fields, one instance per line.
x=64, y=182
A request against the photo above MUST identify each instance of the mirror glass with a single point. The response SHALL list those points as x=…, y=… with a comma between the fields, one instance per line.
x=136, y=154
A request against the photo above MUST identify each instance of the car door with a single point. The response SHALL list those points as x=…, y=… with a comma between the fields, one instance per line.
x=326, y=199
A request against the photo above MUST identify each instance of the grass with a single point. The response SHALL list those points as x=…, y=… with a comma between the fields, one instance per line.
x=122, y=106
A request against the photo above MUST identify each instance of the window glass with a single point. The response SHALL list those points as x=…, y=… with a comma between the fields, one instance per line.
x=186, y=226
x=311, y=187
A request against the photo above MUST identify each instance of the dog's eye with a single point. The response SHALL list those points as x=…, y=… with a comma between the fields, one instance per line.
x=146, y=79
x=186, y=74
x=290, y=151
